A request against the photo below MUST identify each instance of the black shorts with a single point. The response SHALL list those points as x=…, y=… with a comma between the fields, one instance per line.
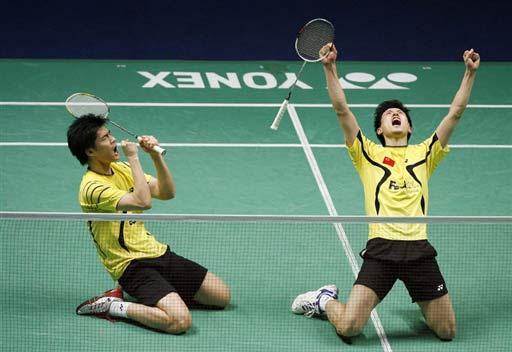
x=421, y=275
x=149, y=280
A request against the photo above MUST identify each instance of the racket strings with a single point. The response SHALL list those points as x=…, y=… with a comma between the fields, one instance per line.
x=81, y=104
x=312, y=38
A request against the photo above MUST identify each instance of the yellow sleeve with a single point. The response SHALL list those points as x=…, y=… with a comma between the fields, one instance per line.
x=435, y=153
x=98, y=196
x=360, y=146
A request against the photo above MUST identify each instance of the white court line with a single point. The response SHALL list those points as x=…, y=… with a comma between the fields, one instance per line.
x=332, y=212
x=460, y=146
x=250, y=105
x=184, y=145
x=421, y=106
x=209, y=105
x=249, y=145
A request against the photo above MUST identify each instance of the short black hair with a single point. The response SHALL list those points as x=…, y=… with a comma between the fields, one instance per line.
x=82, y=135
x=389, y=104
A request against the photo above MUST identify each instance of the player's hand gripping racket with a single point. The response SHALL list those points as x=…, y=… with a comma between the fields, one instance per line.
x=80, y=104
x=311, y=38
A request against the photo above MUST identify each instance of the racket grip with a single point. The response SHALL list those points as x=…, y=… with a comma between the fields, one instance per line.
x=155, y=148
x=159, y=149
x=279, y=115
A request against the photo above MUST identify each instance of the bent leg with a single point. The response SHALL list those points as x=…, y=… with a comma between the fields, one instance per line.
x=170, y=315
x=440, y=316
x=349, y=319
x=213, y=293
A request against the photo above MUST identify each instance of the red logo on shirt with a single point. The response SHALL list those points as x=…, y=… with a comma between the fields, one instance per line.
x=388, y=161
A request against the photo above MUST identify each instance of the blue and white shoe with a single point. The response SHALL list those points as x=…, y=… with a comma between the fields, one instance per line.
x=308, y=303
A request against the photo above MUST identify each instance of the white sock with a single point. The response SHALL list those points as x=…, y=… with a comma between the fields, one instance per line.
x=119, y=309
x=323, y=301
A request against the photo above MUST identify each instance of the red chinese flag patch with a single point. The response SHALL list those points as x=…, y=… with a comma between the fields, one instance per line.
x=388, y=161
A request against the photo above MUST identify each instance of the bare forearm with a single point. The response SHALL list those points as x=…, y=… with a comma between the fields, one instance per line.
x=141, y=191
x=336, y=93
x=166, y=186
x=461, y=99
x=339, y=102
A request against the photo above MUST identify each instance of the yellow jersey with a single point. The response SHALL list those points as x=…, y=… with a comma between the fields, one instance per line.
x=395, y=183
x=117, y=242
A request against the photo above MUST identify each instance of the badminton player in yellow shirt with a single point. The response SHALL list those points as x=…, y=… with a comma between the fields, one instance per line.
x=163, y=283
x=395, y=181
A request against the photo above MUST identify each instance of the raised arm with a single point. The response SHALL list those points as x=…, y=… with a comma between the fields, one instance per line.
x=163, y=186
x=140, y=198
x=460, y=101
x=346, y=119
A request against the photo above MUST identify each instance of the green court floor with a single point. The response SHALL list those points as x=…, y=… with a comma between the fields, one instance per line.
x=214, y=118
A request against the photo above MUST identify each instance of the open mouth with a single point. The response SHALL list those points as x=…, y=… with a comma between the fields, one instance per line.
x=396, y=122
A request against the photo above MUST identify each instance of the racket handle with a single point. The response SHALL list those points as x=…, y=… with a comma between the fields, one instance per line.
x=155, y=148
x=159, y=149
x=279, y=116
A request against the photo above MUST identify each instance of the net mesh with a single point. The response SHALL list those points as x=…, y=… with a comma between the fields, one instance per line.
x=312, y=37
x=50, y=265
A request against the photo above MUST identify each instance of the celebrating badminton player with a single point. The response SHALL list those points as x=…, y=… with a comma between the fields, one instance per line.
x=162, y=282
x=395, y=181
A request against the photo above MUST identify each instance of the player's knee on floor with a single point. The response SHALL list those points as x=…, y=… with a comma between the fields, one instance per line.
x=444, y=329
x=446, y=332
x=350, y=328
x=178, y=324
x=216, y=294
x=225, y=298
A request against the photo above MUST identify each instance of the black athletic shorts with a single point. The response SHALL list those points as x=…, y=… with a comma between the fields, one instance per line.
x=149, y=280
x=412, y=262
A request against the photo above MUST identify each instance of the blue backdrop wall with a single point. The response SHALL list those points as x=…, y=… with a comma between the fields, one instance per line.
x=256, y=30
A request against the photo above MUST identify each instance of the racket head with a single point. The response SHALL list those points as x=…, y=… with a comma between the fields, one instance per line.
x=312, y=37
x=80, y=104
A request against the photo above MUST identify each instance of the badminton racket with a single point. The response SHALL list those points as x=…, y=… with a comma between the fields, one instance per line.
x=80, y=104
x=312, y=37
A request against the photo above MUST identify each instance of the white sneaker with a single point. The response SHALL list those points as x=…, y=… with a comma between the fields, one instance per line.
x=308, y=303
